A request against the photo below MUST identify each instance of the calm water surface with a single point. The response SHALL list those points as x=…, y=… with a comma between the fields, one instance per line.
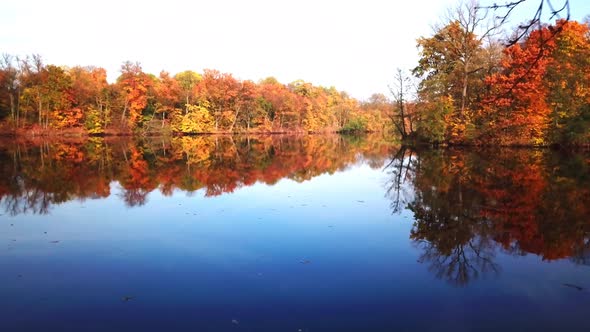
x=321, y=233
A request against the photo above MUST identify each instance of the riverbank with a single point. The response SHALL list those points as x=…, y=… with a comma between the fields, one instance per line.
x=35, y=131
x=417, y=143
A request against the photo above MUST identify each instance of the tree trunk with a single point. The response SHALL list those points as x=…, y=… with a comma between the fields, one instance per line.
x=12, y=110
x=124, y=112
x=18, y=110
x=464, y=92
x=235, y=120
x=403, y=120
x=39, y=108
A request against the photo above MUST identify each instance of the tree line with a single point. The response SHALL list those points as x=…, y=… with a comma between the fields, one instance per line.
x=468, y=88
x=35, y=97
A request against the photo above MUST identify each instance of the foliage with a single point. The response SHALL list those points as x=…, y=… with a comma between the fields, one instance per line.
x=567, y=79
x=357, y=124
x=66, y=98
x=470, y=91
x=132, y=85
x=434, y=120
x=535, y=93
x=516, y=109
x=197, y=120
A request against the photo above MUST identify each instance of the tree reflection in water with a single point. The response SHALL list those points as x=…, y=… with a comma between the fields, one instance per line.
x=34, y=175
x=468, y=205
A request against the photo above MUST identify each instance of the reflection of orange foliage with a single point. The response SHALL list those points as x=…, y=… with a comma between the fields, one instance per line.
x=513, y=197
x=136, y=181
x=518, y=203
x=216, y=164
x=522, y=199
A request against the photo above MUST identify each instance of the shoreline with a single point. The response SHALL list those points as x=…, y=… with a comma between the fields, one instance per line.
x=111, y=133
x=82, y=134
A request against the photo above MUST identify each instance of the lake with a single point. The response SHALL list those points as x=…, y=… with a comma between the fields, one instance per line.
x=290, y=233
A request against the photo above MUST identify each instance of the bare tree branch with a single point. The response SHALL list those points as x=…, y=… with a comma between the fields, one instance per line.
x=505, y=10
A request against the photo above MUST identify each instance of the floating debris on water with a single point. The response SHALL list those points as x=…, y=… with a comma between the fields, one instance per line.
x=57, y=241
x=360, y=201
x=127, y=298
x=235, y=322
x=574, y=286
x=305, y=261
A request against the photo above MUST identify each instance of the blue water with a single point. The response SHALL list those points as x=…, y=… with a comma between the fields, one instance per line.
x=325, y=254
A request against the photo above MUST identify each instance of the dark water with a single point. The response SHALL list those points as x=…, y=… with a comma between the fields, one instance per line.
x=321, y=233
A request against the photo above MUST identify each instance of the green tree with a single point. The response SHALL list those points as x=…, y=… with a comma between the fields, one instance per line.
x=187, y=80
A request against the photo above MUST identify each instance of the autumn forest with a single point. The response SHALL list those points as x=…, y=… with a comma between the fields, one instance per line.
x=468, y=87
x=46, y=98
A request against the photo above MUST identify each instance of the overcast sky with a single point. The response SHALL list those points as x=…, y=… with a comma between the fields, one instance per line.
x=352, y=45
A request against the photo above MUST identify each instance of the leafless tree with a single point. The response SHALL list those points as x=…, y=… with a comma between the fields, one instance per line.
x=477, y=28
x=400, y=91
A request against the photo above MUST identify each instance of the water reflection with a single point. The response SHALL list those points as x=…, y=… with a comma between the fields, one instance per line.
x=38, y=174
x=468, y=205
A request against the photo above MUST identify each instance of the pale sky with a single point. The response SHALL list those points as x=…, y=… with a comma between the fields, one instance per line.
x=352, y=45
